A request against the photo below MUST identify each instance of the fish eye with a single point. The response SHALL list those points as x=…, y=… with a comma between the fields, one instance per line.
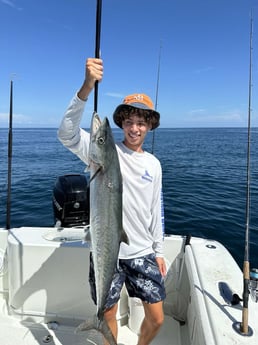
x=101, y=140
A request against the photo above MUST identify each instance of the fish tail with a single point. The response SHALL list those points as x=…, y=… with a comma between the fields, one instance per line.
x=100, y=326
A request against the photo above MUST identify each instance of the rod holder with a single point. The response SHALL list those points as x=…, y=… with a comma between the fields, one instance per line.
x=237, y=326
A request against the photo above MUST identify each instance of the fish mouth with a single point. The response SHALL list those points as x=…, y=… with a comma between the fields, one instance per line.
x=95, y=123
x=98, y=135
x=100, y=132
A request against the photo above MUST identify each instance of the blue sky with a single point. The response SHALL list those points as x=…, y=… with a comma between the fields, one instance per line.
x=204, y=65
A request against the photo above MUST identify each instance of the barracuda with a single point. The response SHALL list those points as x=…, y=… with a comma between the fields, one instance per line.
x=106, y=228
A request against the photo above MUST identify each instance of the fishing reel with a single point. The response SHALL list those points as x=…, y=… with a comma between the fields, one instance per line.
x=253, y=284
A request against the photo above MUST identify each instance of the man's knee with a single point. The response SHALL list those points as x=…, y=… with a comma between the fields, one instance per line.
x=155, y=316
x=157, y=320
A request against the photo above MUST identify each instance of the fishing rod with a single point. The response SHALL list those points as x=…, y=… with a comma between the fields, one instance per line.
x=156, y=98
x=246, y=265
x=243, y=327
x=10, y=145
x=97, y=48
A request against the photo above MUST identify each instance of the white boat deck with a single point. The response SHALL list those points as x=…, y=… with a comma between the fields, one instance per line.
x=44, y=293
x=16, y=332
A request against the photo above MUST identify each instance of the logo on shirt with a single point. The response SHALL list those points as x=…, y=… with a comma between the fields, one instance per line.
x=147, y=176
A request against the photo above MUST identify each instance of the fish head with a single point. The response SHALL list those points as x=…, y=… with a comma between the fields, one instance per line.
x=102, y=144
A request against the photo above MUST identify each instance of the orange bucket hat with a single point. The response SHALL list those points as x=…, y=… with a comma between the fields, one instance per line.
x=138, y=101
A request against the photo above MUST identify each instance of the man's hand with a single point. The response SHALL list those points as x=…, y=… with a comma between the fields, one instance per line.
x=93, y=73
x=162, y=265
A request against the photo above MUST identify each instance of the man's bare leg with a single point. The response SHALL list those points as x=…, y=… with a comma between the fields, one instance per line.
x=110, y=317
x=152, y=322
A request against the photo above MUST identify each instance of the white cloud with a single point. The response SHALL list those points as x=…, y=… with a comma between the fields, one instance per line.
x=197, y=111
x=203, y=70
x=114, y=95
x=19, y=119
x=23, y=121
x=11, y=4
x=4, y=117
x=203, y=115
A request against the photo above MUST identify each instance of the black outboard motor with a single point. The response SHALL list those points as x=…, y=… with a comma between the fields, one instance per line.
x=71, y=200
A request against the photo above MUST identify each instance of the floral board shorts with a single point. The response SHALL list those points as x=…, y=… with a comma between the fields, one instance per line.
x=141, y=276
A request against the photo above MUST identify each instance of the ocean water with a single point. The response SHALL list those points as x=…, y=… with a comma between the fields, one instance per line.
x=204, y=181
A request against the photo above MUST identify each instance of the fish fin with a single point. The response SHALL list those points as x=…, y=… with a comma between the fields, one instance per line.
x=85, y=326
x=124, y=237
x=100, y=326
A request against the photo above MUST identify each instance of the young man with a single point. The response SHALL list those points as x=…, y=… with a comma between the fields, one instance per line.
x=141, y=263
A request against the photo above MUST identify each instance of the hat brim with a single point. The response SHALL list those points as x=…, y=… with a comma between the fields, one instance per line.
x=123, y=107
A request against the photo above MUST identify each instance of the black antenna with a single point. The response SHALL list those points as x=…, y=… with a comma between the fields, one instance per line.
x=10, y=148
x=97, y=48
